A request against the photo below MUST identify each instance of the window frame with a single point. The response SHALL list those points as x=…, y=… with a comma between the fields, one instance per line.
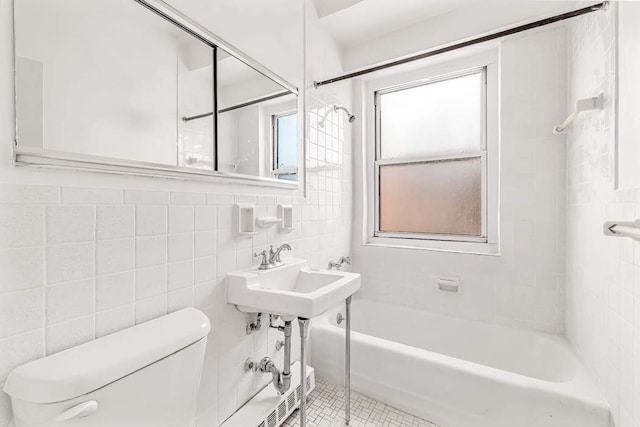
x=275, y=171
x=488, y=241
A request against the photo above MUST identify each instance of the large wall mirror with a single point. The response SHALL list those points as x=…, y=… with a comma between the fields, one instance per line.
x=134, y=85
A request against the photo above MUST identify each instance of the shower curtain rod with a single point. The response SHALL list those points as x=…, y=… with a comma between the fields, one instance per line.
x=471, y=42
x=238, y=106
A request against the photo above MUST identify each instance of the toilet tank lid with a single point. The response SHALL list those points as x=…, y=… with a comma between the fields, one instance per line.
x=89, y=366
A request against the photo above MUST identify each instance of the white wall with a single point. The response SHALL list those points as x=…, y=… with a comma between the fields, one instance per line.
x=603, y=273
x=84, y=254
x=524, y=286
x=451, y=27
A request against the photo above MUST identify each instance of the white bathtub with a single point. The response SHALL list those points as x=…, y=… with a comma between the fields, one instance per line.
x=458, y=373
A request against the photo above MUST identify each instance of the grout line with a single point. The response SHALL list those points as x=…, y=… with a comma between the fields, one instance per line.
x=95, y=270
x=46, y=278
x=135, y=260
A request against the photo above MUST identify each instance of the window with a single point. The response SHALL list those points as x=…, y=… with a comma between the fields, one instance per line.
x=431, y=183
x=285, y=147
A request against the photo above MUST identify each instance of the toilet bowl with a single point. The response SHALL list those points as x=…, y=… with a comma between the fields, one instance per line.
x=144, y=376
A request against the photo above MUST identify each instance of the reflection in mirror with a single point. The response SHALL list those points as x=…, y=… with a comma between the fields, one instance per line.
x=110, y=78
x=257, y=123
x=112, y=82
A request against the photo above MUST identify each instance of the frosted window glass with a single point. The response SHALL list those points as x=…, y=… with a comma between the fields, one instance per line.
x=436, y=197
x=436, y=118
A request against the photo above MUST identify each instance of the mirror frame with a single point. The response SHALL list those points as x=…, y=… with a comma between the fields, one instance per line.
x=39, y=157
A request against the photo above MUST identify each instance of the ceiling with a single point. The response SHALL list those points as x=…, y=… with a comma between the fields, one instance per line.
x=352, y=22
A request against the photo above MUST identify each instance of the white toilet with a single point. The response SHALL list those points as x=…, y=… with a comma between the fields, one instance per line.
x=144, y=376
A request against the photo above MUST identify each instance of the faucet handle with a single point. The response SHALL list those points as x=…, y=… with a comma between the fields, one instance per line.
x=345, y=259
x=263, y=262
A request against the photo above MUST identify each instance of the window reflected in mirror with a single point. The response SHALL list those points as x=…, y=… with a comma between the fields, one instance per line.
x=257, y=123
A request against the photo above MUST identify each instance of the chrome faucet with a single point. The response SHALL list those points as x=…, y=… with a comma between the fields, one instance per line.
x=338, y=265
x=271, y=259
x=274, y=256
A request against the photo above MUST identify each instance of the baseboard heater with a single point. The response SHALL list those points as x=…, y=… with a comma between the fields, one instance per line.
x=268, y=408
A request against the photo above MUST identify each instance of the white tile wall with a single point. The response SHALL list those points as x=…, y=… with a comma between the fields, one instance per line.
x=140, y=213
x=603, y=273
x=79, y=263
x=524, y=286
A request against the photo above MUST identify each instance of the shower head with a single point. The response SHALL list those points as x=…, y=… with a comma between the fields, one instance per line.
x=337, y=108
x=350, y=116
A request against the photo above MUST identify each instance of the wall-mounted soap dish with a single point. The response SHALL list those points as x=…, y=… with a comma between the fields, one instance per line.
x=285, y=214
x=267, y=221
x=244, y=223
x=284, y=219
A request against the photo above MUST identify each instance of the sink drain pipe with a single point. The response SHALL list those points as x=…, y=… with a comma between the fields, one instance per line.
x=281, y=380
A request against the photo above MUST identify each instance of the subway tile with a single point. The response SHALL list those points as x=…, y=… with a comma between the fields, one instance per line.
x=225, y=218
x=245, y=198
x=187, y=198
x=205, y=243
x=205, y=218
x=29, y=194
x=180, y=246
x=65, y=335
x=225, y=263
x=151, y=251
x=20, y=349
x=114, y=222
x=220, y=199
x=151, y=308
x=151, y=281
x=21, y=268
x=204, y=270
x=21, y=311
x=70, y=224
x=205, y=294
x=91, y=196
x=151, y=220
x=21, y=226
x=267, y=200
x=70, y=262
x=179, y=299
x=114, y=256
x=138, y=197
x=181, y=219
x=114, y=290
x=226, y=241
x=114, y=320
x=69, y=300
x=180, y=274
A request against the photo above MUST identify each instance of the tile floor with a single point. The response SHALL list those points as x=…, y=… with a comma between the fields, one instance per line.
x=326, y=409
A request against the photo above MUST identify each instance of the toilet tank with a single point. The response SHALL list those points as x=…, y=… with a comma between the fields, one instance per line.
x=144, y=376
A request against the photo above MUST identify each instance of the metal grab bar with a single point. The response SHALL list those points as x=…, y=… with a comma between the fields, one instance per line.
x=622, y=229
x=586, y=104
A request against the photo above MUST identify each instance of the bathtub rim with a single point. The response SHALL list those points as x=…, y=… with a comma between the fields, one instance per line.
x=580, y=387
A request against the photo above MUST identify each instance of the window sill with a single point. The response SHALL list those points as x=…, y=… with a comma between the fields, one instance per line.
x=472, y=248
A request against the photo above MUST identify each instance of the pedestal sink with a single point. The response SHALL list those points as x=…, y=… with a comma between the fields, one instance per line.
x=294, y=290
x=291, y=290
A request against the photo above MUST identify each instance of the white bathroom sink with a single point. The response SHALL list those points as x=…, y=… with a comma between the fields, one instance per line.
x=291, y=290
